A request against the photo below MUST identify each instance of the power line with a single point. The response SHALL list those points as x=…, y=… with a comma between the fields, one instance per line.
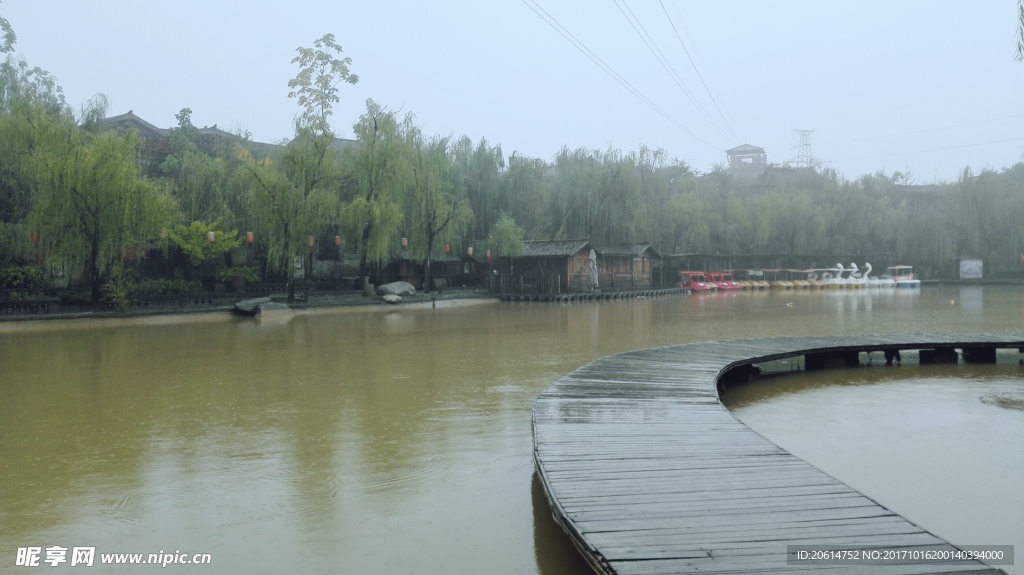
x=655, y=51
x=696, y=49
x=703, y=83
x=551, y=21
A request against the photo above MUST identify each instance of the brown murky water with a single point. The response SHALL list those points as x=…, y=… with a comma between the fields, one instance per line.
x=939, y=444
x=393, y=441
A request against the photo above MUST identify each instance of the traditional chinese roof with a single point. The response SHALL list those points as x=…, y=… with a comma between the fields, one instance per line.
x=744, y=150
x=554, y=248
x=130, y=120
x=628, y=249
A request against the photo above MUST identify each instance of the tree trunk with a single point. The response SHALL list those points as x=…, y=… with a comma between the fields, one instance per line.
x=288, y=266
x=362, y=258
x=94, y=269
x=426, y=260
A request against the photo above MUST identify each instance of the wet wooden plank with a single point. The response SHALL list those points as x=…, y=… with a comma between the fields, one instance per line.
x=649, y=473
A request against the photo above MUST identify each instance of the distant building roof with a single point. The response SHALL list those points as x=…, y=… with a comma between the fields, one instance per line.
x=628, y=249
x=554, y=248
x=341, y=144
x=130, y=120
x=207, y=136
x=745, y=149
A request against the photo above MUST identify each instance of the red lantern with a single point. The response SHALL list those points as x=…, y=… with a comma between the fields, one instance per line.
x=309, y=242
x=405, y=242
x=337, y=241
x=249, y=237
x=34, y=236
x=448, y=249
x=488, y=255
x=211, y=237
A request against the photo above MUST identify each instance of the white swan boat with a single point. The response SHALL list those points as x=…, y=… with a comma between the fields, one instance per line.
x=837, y=281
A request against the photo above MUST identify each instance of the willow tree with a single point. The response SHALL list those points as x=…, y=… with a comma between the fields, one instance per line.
x=379, y=169
x=293, y=201
x=479, y=170
x=505, y=237
x=204, y=186
x=438, y=206
x=525, y=194
x=31, y=106
x=93, y=206
x=296, y=196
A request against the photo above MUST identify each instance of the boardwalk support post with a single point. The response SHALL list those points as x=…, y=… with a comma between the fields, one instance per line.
x=891, y=354
x=979, y=354
x=939, y=355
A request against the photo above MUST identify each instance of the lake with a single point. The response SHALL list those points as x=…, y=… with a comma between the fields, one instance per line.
x=398, y=440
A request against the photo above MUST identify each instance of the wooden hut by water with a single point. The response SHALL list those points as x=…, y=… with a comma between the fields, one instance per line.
x=624, y=266
x=551, y=267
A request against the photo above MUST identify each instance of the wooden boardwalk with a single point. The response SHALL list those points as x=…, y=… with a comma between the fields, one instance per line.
x=649, y=473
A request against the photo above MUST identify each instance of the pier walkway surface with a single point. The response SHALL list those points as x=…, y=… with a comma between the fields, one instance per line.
x=648, y=473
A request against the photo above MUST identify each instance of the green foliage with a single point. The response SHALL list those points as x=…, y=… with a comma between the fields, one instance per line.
x=506, y=238
x=316, y=85
x=117, y=291
x=378, y=245
x=249, y=273
x=93, y=204
x=193, y=240
x=294, y=198
x=151, y=287
x=380, y=170
x=29, y=279
x=31, y=105
x=7, y=36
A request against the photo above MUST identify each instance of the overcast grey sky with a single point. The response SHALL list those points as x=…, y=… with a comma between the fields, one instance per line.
x=925, y=86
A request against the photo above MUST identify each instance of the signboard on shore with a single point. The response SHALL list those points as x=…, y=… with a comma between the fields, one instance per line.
x=970, y=269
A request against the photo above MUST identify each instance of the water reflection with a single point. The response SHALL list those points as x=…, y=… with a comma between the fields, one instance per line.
x=555, y=552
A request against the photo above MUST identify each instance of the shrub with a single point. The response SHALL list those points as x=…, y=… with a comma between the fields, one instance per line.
x=23, y=279
x=248, y=272
x=116, y=293
x=164, y=287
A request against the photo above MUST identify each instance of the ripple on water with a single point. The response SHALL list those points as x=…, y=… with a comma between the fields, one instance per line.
x=1013, y=399
x=410, y=477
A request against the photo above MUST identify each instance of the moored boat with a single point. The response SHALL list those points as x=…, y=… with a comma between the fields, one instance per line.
x=777, y=279
x=872, y=282
x=696, y=281
x=903, y=276
x=814, y=278
x=836, y=279
x=856, y=280
x=798, y=278
x=723, y=280
x=756, y=279
x=250, y=307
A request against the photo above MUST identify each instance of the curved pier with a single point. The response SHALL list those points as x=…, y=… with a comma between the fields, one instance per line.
x=648, y=473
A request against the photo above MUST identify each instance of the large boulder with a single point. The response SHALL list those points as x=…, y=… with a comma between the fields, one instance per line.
x=396, y=288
